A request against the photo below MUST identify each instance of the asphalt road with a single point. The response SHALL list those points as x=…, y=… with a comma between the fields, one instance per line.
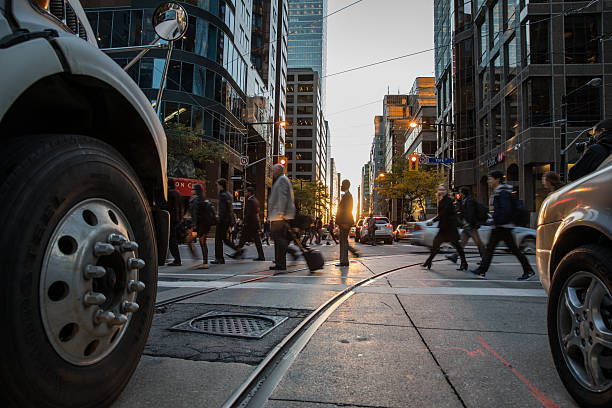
x=415, y=338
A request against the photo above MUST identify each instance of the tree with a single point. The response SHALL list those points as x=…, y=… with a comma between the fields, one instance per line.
x=415, y=186
x=311, y=197
x=189, y=152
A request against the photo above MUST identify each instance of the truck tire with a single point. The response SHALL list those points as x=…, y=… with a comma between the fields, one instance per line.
x=79, y=272
x=579, y=316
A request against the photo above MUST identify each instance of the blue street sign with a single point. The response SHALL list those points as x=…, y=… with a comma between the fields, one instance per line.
x=440, y=160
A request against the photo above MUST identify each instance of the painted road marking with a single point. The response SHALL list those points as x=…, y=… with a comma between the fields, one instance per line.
x=425, y=290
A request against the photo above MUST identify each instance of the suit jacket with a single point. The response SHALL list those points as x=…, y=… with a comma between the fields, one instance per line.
x=175, y=206
x=226, y=211
x=280, y=203
x=344, y=216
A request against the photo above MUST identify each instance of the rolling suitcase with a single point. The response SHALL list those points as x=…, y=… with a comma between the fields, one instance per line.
x=314, y=259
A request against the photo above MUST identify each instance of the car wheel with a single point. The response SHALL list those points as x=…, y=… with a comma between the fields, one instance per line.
x=528, y=246
x=80, y=272
x=579, y=318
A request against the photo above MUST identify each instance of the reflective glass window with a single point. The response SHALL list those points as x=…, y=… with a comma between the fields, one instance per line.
x=539, y=100
x=536, y=41
x=146, y=73
x=121, y=29
x=582, y=39
x=105, y=26
x=210, y=84
x=199, y=80
x=187, y=77
x=512, y=123
x=136, y=27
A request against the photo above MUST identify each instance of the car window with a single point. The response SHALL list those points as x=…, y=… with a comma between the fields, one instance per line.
x=382, y=221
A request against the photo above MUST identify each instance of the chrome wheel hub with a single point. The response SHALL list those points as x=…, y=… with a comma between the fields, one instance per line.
x=89, y=282
x=585, y=330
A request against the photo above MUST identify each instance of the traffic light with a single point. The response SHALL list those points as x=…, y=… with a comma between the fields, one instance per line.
x=282, y=161
x=413, y=162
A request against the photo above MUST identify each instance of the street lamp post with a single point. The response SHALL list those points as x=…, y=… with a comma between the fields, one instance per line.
x=563, y=151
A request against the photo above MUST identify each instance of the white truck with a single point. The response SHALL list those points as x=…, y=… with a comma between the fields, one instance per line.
x=82, y=220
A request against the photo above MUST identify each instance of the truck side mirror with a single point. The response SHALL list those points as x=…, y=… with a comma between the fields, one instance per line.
x=170, y=21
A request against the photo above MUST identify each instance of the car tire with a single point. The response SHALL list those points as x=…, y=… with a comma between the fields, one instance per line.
x=74, y=202
x=587, y=327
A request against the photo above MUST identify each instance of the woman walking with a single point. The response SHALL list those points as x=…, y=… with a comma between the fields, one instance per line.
x=447, y=229
x=202, y=217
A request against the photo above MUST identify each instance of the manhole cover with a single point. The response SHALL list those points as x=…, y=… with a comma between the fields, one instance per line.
x=231, y=324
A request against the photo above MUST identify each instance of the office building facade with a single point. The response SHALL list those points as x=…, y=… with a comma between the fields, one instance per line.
x=377, y=159
x=366, y=191
x=525, y=57
x=308, y=37
x=422, y=101
x=306, y=131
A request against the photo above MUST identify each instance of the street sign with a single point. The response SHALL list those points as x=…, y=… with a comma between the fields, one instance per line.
x=423, y=159
x=440, y=160
x=244, y=160
x=236, y=178
x=237, y=205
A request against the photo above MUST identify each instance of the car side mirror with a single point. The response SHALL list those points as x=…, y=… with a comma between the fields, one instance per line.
x=170, y=21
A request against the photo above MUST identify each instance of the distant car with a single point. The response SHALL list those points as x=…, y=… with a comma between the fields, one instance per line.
x=573, y=257
x=352, y=232
x=400, y=232
x=422, y=234
x=383, y=232
x=358, y=229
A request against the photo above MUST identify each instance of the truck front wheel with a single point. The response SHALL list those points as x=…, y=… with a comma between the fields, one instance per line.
x=79, y=272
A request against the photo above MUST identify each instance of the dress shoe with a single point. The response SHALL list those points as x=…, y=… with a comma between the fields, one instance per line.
x=277, y=268
x=463, y=267
x=218, y=262
x=427, y=265
x=259, y=259
x=478, y=273
x=174, y=263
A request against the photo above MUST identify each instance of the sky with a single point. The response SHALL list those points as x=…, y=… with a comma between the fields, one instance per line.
x=371, y=31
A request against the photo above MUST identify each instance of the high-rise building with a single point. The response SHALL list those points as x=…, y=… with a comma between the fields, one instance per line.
x=210, y=88
x=365, y=188
x=377, y=160
x=422, y=101
x=308, y=37
x=396, y=120
x=514, y=61
x=307, y=137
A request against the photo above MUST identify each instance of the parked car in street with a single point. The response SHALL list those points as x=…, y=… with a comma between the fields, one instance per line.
x=358, y=229
x=383, y=232
x=399, y=233
x=574, y=249
x=419, y=233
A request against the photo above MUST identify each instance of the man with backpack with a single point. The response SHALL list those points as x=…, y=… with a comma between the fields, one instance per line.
x=251, y=225
x=474, y=214
x=508, y=211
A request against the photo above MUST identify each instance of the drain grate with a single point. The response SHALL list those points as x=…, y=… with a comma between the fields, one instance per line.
x=231, y=324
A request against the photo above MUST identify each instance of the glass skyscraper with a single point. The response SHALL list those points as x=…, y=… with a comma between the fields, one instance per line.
x=308, y=36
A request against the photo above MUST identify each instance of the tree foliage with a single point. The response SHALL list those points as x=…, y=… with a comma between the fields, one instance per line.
x=189, y=152
x=416, y=186
x=311, y=197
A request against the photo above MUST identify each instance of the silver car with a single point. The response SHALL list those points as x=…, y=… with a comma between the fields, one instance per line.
x=574, y=258
x=383, y=232
x=422, y=234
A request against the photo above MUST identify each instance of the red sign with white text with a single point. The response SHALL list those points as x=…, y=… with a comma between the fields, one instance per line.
x=184, y=185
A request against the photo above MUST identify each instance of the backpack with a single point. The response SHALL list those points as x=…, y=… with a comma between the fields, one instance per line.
x=482, y=212
x=520, y=213
x=206, y=213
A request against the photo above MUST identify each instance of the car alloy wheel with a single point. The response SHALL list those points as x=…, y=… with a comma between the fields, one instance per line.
x=584, y=321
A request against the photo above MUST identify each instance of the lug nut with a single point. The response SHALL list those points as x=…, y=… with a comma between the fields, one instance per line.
x=102, y=248
x=116, y=239
x=129, y=307
x=129, y=246
x=119, y=320
x=136, y=286
x=135, y=263
x=93, y=298
x=103, y=317
x=94, y=272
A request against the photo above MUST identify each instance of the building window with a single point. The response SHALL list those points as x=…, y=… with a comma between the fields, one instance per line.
x=304, y=122
x=498, y=21
x=305, y=78
x=539, y=100
x=303, y=167
x=510, y=13
x=510, y=59
x=304, y=144
x=512, y=124
x=305, y=99
x=303, y=155
x=498, y=71
x=484, y=39
x=496, y=117
x=304, y=110
x=536, y=41
x=484, y=139
x=581, y=39
x=583, y=106
x=484, y=87
x=304, y=133
x=291, y=78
